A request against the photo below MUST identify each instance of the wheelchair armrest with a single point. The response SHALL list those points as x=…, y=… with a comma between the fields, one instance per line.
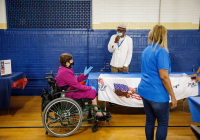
x=73, y=90
x=67, y=91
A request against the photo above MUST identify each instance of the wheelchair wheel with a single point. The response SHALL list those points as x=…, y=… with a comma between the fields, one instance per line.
x=95, y=126
x=62, y=117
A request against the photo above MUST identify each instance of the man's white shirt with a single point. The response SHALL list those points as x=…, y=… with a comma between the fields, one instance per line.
x=121, y=55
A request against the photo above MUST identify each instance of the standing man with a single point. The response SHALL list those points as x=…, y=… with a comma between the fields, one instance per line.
x=121, y=45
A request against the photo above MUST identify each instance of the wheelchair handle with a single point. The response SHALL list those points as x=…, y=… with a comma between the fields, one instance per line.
x=45, y=90
x=49, y=78
x=50, y=74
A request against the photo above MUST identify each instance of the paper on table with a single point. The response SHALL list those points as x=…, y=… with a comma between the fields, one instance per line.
x=6, y=67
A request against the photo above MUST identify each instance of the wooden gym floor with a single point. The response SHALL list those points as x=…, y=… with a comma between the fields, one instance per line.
x=24, y=122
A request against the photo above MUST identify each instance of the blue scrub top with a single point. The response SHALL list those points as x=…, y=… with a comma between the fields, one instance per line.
x=151, y=87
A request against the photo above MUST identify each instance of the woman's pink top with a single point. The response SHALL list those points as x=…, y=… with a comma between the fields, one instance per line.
x=66, y=76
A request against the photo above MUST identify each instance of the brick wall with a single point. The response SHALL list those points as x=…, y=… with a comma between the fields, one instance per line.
x=144, y=14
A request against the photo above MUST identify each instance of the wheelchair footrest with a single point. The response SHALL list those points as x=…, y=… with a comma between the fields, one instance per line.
x=105, y=118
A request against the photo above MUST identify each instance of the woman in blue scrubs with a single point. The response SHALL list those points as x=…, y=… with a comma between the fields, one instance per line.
x=155, y=86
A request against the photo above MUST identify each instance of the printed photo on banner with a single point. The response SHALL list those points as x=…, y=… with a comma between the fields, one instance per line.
x=124, y=91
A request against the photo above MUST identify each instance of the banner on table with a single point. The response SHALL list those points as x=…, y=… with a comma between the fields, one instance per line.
x=123, y=91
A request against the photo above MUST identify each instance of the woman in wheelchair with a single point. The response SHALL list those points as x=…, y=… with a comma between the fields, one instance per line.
x=67, y=80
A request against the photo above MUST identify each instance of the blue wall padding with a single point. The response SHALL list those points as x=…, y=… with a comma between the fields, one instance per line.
x=37, y=52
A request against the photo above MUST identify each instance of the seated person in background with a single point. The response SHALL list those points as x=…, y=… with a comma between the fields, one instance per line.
x=197, y=79
x=66, y=78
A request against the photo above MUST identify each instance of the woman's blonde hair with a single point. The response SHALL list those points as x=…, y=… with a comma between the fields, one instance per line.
x=159, y=35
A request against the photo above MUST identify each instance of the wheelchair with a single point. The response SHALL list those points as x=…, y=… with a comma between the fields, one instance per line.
x=63, y=116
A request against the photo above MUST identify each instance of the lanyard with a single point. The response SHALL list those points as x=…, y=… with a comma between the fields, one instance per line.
x=121, y=42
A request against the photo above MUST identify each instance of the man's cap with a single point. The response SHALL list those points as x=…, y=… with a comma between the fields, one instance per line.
x=122, y=27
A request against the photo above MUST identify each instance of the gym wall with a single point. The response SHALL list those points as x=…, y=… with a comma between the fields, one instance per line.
x=35, y=50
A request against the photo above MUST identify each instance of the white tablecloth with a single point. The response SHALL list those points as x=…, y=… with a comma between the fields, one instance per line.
x=182, y=85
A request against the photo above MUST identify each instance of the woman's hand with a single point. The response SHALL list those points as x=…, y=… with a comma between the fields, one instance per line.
x=92, y=87
x=174, y=102
x=197, y=79
x=194, y=75
x=87, y=71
